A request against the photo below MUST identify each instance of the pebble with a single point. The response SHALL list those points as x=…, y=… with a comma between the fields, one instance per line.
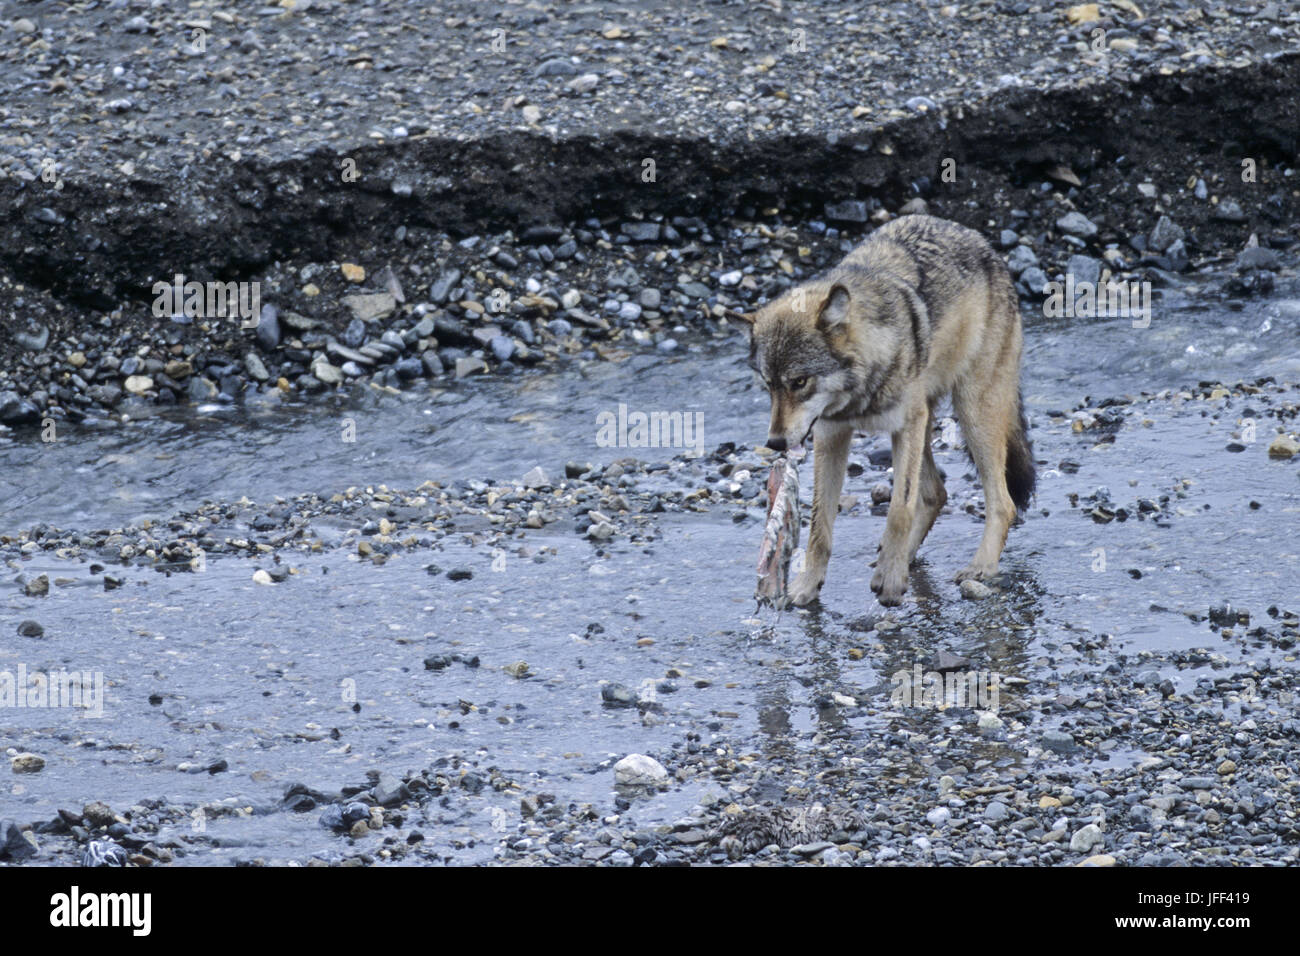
x=1059, y=741
x=996, y=812
x=990, y=724
x=1283, y=447
x=371, y=306
x=1086, y=837
x=1084, y=269
x=536, y=479
x=502, y=348
x=557, y=66
x=33, y=341
x=327, y=373
x=1077, y=224
x=641, y=231
x=27, y=763
x=939, y=816
x=469, y=365
x=255, y=367
x=1229, y=210
x=1033, y=280
x=850, y=210
x=1164, y=234
x=617, y=695
x=1020, y=259
x=102, y=853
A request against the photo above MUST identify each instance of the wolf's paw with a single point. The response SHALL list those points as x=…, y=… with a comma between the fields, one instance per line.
x=889, y=582
x=977, y=571
x=805, y=589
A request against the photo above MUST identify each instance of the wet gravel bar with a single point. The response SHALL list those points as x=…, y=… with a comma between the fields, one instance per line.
x=1099, y=752
x=427, y=196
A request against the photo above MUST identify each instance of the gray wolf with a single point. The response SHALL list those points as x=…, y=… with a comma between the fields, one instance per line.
x=921, y=310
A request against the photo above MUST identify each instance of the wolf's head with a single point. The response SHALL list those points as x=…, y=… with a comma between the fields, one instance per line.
x=822, y=349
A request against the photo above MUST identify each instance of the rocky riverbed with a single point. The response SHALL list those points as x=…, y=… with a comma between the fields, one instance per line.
x=455, y=670
x=359, y=576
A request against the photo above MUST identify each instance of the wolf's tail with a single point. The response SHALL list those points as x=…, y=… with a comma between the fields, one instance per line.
x=1020, y=461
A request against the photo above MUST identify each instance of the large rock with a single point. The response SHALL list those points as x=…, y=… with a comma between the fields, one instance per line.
x=638, y=770
x=16, y=410
x=16, y=844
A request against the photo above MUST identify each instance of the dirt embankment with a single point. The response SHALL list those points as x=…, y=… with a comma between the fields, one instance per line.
x=95, y=242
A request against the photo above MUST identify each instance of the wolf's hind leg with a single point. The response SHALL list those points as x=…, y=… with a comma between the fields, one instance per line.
x=933, y=497
x=986, y=419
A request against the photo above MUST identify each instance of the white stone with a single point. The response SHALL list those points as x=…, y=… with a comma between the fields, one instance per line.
x=638, y=770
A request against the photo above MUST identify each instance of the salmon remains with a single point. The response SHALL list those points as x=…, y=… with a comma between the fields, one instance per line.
x=780, y=535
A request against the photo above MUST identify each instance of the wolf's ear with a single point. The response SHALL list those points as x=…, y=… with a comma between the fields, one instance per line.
x=746, y=317
x=835, y=310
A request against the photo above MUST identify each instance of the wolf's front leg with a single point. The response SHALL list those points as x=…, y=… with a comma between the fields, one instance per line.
x=831, y=447
x=890, y=579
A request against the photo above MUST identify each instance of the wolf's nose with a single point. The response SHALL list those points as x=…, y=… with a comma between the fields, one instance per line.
x=776, y=444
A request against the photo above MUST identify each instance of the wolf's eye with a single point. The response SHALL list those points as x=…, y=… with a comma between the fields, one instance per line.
x=798, y=384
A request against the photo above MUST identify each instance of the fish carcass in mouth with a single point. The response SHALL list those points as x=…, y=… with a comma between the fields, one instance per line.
x=781, y=533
